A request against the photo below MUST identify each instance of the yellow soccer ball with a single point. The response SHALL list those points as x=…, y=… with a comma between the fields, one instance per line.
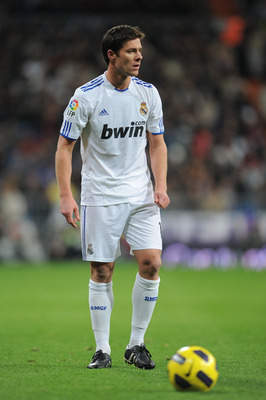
x=193, y=368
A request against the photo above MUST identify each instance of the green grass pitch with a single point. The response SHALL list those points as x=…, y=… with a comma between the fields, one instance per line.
x=46, y=340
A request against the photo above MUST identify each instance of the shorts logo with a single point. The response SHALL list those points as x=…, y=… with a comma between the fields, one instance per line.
x=101, y=308
x=74, y=104
x=143, y=109
x=90, y=249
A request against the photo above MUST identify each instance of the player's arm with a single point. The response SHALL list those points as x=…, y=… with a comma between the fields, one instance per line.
x=158, y=159
x=63, y=168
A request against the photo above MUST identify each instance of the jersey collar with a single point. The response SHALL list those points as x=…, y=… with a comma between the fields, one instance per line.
x=110, y=86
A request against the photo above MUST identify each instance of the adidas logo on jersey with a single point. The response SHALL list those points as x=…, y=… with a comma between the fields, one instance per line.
x=103, y=112
x=135, y=130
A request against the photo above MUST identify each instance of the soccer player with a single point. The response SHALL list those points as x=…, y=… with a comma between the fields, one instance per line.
x=116, y=115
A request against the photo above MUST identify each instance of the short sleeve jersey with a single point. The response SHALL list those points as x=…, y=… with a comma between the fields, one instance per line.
x=112, y=127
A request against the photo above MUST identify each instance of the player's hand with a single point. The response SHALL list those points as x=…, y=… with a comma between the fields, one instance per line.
x=161, y=199
x=70, y=210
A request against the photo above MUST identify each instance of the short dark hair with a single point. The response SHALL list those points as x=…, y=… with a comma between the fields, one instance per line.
x=115, y=38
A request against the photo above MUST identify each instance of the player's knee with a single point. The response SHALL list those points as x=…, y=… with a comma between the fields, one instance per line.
x=149, y=269
x=102, y=272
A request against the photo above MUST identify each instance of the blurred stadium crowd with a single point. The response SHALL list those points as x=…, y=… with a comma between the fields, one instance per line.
x=210, y=70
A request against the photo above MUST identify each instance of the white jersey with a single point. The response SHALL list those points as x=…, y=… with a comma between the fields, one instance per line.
x=112, y=125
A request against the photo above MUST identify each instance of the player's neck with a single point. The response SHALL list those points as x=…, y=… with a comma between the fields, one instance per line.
x=119, y=81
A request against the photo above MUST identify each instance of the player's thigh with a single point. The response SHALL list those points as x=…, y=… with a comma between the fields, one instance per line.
x=101, y=229
x=143, y=228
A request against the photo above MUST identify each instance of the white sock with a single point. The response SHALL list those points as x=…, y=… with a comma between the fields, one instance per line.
x=101, y=302
x=144, y=296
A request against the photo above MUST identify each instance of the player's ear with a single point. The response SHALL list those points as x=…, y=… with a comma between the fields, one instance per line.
x=111, y=55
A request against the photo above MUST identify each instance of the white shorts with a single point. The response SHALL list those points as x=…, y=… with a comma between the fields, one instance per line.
x=103, y=226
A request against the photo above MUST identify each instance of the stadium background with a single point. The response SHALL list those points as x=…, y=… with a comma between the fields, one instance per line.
x=208, y=60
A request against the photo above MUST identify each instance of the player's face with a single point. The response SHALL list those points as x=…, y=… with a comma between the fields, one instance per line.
x=128, y=59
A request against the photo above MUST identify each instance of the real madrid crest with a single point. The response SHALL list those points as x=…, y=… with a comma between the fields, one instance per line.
x=143, y=108
x=90, y=249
